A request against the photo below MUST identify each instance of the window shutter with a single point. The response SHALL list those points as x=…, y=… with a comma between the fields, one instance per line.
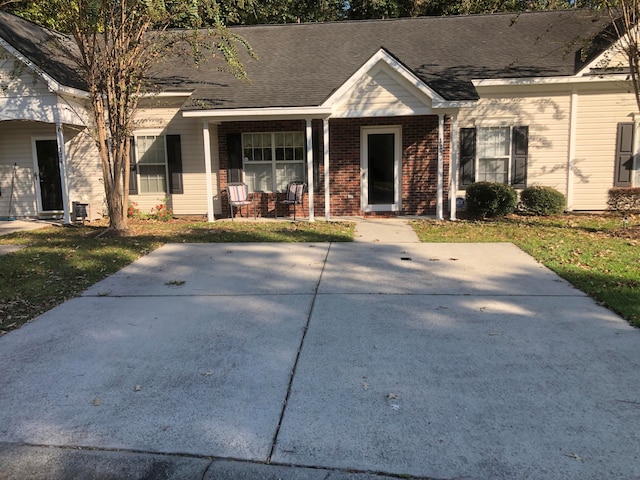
x=316, y=140
x=234, y=151
x=174, y=163
x=624, y=155
x=467, y=157
x=519, y=157
x=133, y=168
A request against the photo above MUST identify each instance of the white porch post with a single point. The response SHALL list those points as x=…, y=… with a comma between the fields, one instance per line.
x=635, y=178
x=62, y=162
x=207, y=170
x=327, y=191
x=453, y=177
x=573, y=121
x=440, y=187
x=310, y=183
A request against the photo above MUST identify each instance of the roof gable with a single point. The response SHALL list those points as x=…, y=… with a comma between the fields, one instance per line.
x=383, y=86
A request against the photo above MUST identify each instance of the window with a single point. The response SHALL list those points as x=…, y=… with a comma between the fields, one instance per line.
x=271, y=160
x=152, y=163
x=156, y=164
x=494, y=154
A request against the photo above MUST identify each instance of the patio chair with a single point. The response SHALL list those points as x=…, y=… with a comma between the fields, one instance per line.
x=239, y=197
x=294, y=195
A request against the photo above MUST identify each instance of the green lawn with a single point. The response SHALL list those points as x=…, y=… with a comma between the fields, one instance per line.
x=599, y=254
x=58, y=263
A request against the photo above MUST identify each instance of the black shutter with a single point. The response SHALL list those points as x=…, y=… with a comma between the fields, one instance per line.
x=624, y=155
x=520, y=157
x=133, y=168
x=234, y=150
x=174, y=163
x=316, y=140
x=467, y=157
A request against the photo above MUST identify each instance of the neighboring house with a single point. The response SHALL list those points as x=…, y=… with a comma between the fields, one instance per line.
x=381, y=117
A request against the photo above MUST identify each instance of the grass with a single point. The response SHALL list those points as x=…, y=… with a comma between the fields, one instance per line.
x=599, y=254
x=57, y=263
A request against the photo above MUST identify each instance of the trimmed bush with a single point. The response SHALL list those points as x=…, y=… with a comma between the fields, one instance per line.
x=543, y=200
x=486, y=199
x=624, y=199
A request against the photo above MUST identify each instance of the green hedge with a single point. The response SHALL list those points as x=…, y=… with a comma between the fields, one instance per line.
x=486, y=199
x=625, y=199
x=543, y=200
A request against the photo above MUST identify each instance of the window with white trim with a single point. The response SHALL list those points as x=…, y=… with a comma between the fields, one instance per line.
x=496, y=154
x=271, y=160
x=151, y=159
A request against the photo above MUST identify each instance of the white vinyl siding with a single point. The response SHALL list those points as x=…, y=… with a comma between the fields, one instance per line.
x=194, y=199
x=598, y=116
x=382, y=92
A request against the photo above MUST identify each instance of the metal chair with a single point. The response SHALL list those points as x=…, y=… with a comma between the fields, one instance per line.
x=294, y=196
x=239, y=197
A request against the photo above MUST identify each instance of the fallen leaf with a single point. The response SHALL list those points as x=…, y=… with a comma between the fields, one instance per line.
x=575, y=456
x=207, y=373
x=393, y=396
x=177, y=283
x=365, y=386
x=137, y=388
x=96, y=402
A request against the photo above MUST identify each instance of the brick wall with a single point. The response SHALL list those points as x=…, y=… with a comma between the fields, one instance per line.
x=419, y=163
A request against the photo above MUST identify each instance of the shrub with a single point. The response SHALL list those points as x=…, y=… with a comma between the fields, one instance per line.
x=486, y=199
x=543, y=200
x=624, y=199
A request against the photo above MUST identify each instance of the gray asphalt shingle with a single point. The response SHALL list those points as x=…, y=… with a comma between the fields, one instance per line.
x=302, y=64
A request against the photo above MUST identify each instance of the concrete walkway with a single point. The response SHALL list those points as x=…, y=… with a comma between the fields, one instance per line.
x=384, y=230
x=323, y=361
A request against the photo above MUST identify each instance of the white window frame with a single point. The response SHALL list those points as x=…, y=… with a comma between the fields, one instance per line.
x=156, y=134
x=509, y=157
x=274, y=162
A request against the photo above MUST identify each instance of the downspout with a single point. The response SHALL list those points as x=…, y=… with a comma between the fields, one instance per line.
x=207, y=169
x=440, y=187
x=573, y=125
x=310, y=182
x=62, y=162
x=453, y=168
x=327, y=191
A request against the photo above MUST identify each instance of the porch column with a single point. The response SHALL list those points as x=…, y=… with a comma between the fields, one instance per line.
x=440, y=187
x=207, y=170
x=327, y=191
x=453, y=177
x=573, y=122
x=310, y=184
x=62, y=162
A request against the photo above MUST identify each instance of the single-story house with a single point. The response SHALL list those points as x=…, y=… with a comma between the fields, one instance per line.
x=377, y=117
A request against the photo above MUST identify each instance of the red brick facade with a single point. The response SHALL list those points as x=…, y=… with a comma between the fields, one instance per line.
x=419, y=163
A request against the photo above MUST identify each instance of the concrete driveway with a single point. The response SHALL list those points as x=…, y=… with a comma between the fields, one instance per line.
x=318, y=361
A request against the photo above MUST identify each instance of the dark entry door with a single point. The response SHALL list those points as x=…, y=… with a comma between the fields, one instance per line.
x=49, y=175
x=381, y=153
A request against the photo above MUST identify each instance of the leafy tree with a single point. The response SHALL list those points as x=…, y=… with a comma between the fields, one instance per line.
x=115, y=51
x=625, y=15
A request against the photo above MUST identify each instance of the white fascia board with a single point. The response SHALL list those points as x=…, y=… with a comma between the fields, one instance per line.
x=567, y=80
x=53, y=85
x=270, y=113
x=383, y=56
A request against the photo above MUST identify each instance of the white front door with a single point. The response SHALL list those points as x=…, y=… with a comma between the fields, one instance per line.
x=381, y=169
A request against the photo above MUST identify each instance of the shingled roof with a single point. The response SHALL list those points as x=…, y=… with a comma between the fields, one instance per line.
x=47, y=49
x=303, y=64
